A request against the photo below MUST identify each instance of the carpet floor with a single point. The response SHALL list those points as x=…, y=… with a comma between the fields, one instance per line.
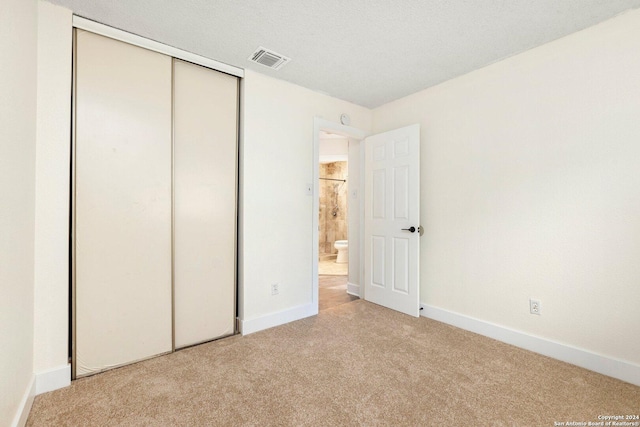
x=353, y=364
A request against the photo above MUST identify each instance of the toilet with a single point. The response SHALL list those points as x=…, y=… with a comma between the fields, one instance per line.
x=343, y=251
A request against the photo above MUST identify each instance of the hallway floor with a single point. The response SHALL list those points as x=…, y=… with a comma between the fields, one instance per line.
x=332, y=291
x=328, y=267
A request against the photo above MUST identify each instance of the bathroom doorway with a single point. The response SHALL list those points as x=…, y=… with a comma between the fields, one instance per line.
x=340, y=281
x=333, y=220
x=333, y=213
x=337, y=159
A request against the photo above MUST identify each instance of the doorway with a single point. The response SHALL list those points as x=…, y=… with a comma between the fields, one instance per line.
x=333, y=220
x=337, y=214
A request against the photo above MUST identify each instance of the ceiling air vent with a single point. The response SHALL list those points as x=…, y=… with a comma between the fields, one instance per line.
x=268, y=58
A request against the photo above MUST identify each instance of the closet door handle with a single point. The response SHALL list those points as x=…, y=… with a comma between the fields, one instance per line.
x=410, y=229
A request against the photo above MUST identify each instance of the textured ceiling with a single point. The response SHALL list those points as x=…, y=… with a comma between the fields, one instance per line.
x=365, y=51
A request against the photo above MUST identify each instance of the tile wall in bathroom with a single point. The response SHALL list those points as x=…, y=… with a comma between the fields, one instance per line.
x=333, y=206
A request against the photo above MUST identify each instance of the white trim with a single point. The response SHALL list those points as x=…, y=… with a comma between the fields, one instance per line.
x=619, y=369
x=276, y=319
x=353, y=289
x=53, y=379
x=361, y=191
x=335, y=128
x=24, y=407
x=105, y=30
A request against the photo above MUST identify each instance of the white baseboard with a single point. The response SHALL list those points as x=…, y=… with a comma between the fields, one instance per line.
x=276, y=319
x=53, y=379
x=353, y=289
x=619, y=369
x=20, y=418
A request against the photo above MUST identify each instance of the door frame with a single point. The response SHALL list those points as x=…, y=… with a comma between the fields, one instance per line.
x=320, y=124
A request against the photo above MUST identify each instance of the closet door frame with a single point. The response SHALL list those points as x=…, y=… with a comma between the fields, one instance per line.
x=133, y=39
x=175, y=53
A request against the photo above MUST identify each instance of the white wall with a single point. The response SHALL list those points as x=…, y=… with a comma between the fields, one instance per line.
x=530, y=187
x=18, y=44
x=333, y=149
x=52, y=188
x=276, y=214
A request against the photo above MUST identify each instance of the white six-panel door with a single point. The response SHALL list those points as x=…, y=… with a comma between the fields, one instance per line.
x=205, y=135
x=392, y=207
x=122, y=204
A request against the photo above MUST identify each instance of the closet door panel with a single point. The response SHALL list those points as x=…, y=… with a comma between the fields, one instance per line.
x=122, y=204
x=205, y=147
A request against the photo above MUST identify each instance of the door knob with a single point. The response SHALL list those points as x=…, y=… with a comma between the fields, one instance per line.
x=410, y=229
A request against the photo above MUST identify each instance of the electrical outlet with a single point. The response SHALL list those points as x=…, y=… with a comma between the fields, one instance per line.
x=275, y=289
x=535, y=307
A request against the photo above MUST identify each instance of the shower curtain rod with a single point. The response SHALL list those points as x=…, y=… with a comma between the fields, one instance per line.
x=333, y=179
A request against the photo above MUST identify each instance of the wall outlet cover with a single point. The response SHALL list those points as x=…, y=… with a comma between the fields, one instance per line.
x=535, y=307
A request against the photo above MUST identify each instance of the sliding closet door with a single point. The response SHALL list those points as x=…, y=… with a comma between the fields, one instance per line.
x=205, y=147
x=122, y=203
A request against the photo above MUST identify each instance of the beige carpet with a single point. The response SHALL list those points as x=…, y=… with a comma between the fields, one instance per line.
x=354, y=364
